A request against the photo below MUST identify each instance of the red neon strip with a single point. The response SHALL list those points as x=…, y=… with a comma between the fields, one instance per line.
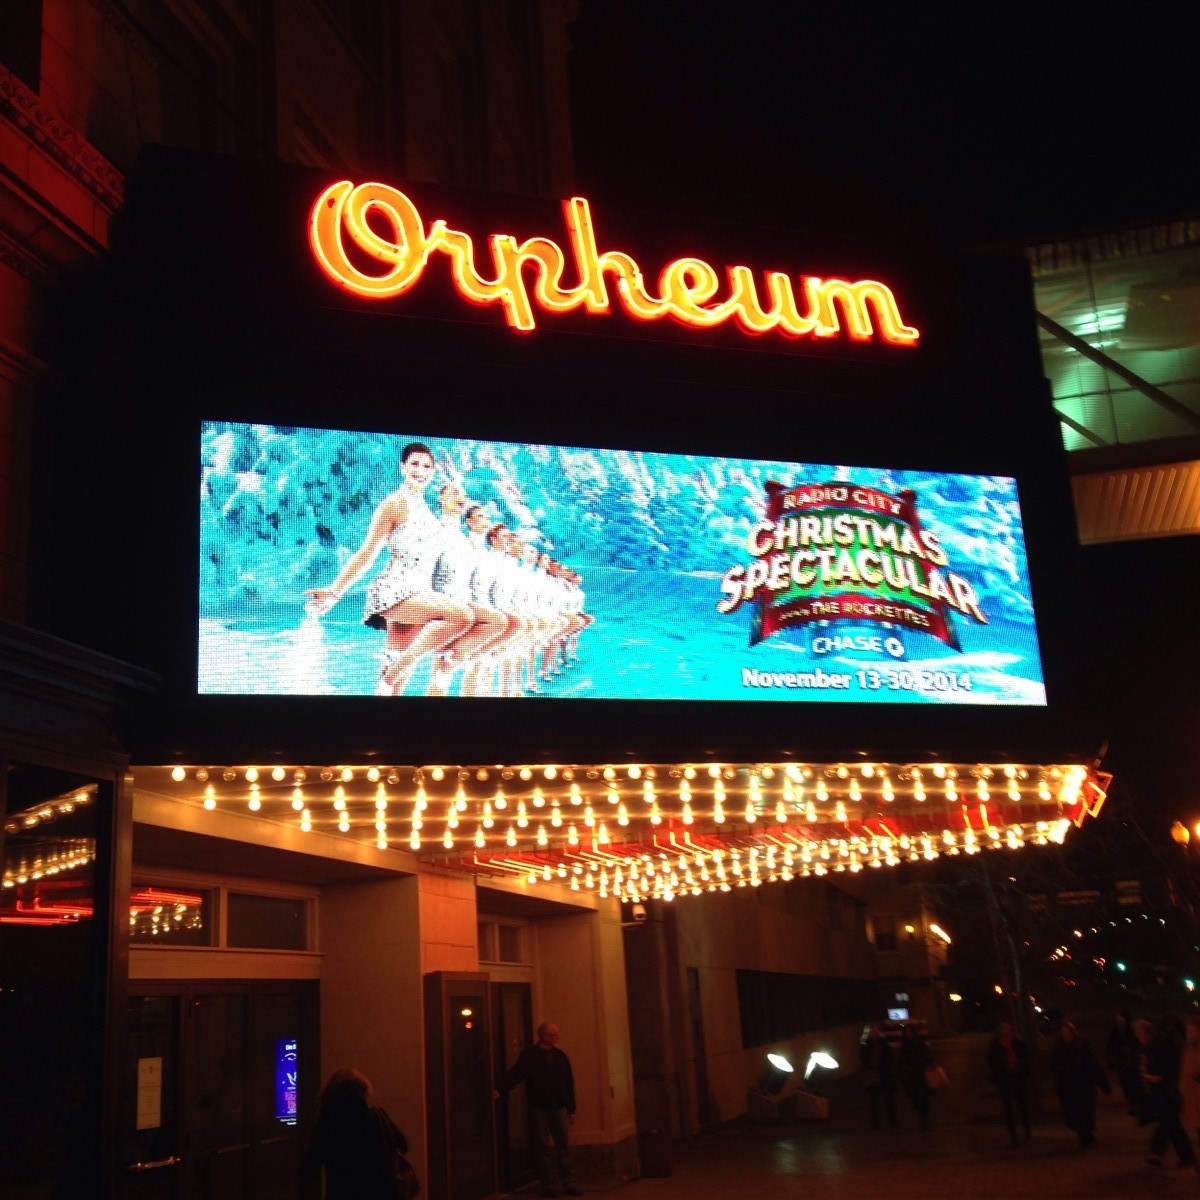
x=154, y=897
x=688, y=289
x=70, y=911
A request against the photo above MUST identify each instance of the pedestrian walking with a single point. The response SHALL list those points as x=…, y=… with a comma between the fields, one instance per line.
x=355, y=1143
x=1159, y=1066
x=1121, y=1053
x=1009, y=1064
x=1189, y=1078
x=913, y=1064
x=1077, y=1074
x=875, y=1054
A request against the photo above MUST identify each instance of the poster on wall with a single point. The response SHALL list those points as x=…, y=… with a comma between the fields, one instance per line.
x=344, y=563
x=286, y=1105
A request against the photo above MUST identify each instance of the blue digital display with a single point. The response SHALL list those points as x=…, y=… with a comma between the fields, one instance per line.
x=357, y=564
x=285, y=1080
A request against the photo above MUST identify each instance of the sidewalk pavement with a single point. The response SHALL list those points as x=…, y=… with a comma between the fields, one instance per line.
x=965, y=1155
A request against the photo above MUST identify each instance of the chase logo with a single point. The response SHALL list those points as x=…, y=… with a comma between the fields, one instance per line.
x=858, y=643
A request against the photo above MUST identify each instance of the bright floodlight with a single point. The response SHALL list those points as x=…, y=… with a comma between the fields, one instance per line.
x=775, y=1075
x=818, y=1058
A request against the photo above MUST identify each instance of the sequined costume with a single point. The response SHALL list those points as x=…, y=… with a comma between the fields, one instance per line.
x=414, y=548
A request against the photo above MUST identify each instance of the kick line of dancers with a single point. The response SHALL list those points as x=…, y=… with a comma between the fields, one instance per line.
x=498, y=616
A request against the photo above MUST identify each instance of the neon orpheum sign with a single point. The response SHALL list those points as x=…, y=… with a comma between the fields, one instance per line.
x=371, y=240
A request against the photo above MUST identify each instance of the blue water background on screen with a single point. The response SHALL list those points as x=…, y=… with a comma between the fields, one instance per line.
x=651, y=534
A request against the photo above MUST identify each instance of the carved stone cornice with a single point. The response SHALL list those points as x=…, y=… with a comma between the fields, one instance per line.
x=24, y=109
x=13, y=254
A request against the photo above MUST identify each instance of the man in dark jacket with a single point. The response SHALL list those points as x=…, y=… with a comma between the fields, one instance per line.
x=550, y=1088
x=1008, y=1065
x=1159, y=1064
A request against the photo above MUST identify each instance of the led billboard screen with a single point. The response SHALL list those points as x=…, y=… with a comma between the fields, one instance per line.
x=349, y=563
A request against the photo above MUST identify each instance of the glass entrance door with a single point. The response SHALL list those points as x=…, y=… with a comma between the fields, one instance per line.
x=150, y=1115
x=512, y=1024
x=217, y=1076
x=217, y=1094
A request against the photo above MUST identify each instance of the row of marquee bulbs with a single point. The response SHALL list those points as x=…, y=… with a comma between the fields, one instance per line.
x=796, y=800
x=46, y=811
x=66, y=857
x=794, y=772
x=721, y=869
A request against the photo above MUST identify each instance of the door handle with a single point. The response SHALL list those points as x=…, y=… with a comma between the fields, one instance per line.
x=231, y=1149
x=173, y=1161
x=274, y=1141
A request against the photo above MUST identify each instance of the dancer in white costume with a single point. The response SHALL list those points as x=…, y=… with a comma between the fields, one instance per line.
x=489, y=561
x=454, y=575
x=557, y=616
x=401, y=598
x=580, y=618
x=539, y=608
x=509, y=591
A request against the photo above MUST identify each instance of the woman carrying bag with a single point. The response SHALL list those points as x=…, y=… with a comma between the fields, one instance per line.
x=361, y=1150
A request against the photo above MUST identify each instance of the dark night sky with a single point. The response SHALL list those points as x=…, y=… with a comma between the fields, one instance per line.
x=983, y=121
x=979, y=124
